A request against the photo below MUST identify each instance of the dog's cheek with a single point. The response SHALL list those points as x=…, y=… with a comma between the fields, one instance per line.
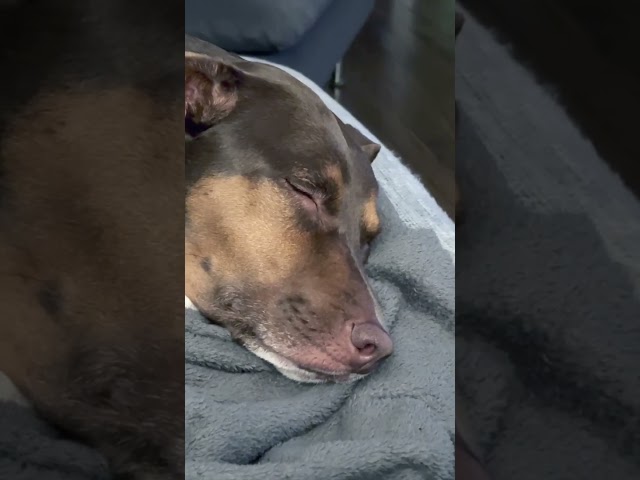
x=250, y=227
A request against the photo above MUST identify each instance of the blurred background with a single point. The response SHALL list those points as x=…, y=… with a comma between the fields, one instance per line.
x=586, y=52
x=389, y=62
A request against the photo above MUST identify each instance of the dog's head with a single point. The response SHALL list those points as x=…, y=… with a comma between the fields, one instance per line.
x=280, y=215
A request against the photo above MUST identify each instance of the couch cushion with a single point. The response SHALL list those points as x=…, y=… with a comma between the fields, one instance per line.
x=252, y=26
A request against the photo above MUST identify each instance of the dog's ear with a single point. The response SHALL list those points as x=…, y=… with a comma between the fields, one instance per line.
x=370, y=148
x=210, y=91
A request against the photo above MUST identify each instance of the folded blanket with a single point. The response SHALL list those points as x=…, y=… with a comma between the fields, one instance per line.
x=30, y=449
x=246, y=421
x=548, y=284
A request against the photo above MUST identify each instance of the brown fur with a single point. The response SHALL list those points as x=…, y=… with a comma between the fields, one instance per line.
x=91, y=224
x=91, y=331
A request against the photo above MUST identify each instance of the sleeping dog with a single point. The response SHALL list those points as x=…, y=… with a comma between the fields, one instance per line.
x=280, y=216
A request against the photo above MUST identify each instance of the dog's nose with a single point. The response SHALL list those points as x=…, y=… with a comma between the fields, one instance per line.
x=372, y=344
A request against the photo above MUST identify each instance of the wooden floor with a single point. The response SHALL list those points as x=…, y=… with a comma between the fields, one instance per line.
x=399, y=81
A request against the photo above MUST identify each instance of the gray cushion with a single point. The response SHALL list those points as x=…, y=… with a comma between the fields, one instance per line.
x=252, y=26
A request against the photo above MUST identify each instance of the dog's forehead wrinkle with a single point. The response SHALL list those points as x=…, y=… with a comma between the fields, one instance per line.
x=296, y=111
x=245, y=141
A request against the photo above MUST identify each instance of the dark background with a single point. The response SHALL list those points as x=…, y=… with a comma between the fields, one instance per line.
x=587, y=51
x=399, y=82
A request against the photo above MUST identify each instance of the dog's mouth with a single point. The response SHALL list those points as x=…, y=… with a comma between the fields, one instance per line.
x=322, y=369
x=303, y=375
x=315, y=376
x=299, y=372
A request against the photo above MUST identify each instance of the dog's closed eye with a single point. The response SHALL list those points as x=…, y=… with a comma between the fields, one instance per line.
x=308, y=194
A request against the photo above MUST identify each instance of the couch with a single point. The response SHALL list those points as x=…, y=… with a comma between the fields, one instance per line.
x=310, y=36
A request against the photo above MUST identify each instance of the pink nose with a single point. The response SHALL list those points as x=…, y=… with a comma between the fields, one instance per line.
x=372, y=344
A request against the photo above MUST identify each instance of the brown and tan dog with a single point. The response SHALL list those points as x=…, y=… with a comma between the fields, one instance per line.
x=91, y=224
x=280, y=213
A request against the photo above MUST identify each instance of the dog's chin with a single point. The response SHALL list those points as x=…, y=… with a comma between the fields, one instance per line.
x=288, y=368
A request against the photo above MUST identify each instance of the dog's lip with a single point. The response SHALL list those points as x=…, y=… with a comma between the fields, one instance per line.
x=329, y=374
x=343, y=376
x=340, y=374
x=334, y=376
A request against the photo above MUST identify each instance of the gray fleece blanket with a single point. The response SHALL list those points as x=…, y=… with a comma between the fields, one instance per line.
x=548, y=282
x=32, y=450
x=246, y=421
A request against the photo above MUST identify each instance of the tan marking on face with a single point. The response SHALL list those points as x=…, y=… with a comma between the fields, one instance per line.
x=247, y=229
x=370, y=217
x=334, y=173
x=193, y=55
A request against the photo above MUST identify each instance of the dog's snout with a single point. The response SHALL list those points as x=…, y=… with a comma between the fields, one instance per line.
x=372, y=344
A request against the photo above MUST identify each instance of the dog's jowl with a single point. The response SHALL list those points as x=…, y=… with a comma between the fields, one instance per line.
x=280, y=213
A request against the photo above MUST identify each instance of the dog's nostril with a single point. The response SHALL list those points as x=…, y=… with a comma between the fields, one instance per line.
x=372, y=344
x=368, y=349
